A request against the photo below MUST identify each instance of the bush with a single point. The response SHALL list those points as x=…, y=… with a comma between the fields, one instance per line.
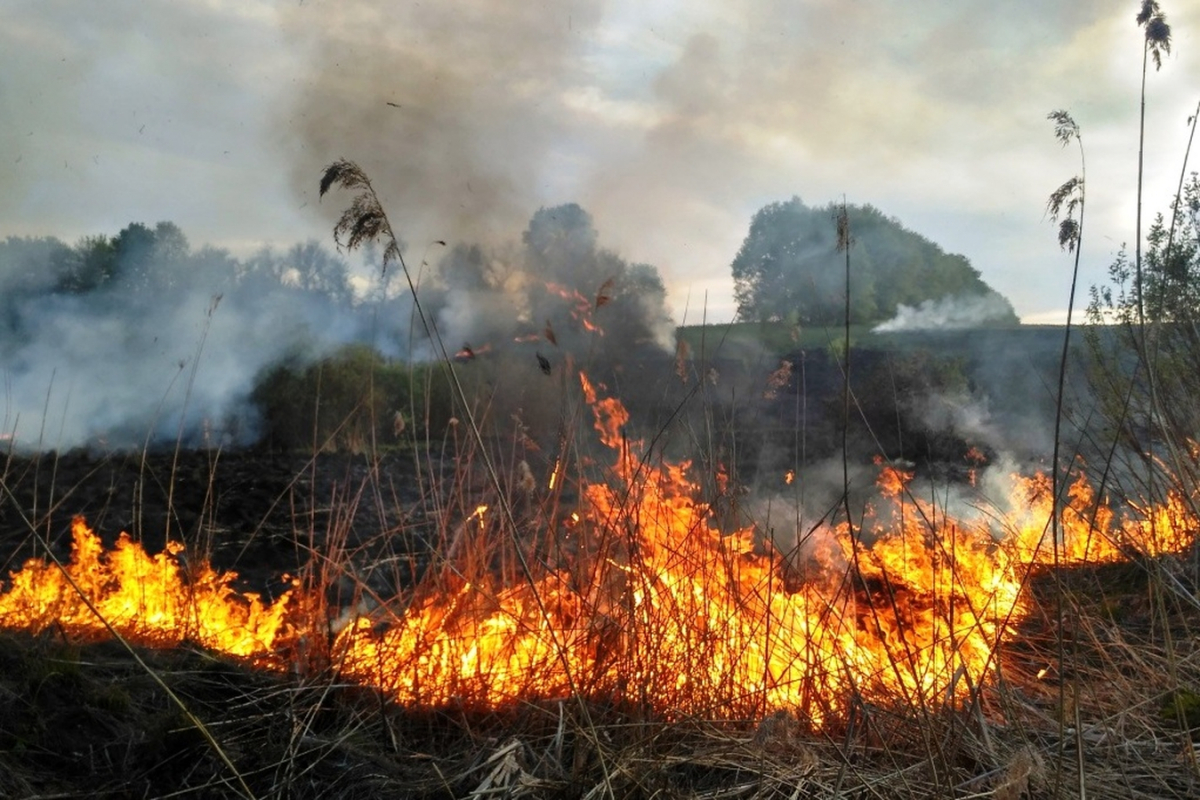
x=350, y=401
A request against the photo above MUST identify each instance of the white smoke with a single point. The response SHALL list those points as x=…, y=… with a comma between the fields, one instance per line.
x=949, y=313
x=171, y=344
x=122, y=367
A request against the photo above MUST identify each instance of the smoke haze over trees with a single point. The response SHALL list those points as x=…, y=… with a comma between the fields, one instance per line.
x=788, y=269
x=119, y=340
x=559, y=285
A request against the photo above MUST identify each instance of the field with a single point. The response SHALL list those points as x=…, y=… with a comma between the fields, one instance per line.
x=437, y=620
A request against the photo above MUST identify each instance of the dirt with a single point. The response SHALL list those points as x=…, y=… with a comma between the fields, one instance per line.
x=259, y=513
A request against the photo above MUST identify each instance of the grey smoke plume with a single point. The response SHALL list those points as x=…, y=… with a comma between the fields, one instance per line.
x=949, y=313
x=445, y=107
x=559, y=288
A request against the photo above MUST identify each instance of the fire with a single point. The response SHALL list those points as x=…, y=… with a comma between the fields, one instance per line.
x=467, y=353
x=581, y=307
x=645, y=600
x=146, y=599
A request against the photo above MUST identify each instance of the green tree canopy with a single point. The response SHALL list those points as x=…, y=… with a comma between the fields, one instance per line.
x=788, y=268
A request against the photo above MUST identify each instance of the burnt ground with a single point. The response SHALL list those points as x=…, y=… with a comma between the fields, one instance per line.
x=86, y=720
x=256, y=512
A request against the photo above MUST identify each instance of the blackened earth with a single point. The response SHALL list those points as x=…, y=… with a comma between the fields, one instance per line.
x=264, y=515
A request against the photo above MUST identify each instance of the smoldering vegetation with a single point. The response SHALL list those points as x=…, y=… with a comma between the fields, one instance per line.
x=943, y=400
x=949, y=313
x=139, y=340
x=119, y=342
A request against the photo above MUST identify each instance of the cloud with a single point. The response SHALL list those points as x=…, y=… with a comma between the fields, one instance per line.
x=670, y=122
x=140, y=110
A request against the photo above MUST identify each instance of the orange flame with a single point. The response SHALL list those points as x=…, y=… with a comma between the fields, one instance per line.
x=661, y=607
x=649, y=602
x=581, y=307
x=478, y=514
x=147, y=599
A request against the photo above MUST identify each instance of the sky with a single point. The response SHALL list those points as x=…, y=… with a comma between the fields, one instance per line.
x=670, y=122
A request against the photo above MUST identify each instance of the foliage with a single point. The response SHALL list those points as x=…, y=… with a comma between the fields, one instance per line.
x=1170, y=270
x=349, y=400
x=1171, y=262
x=28, y=267
x=1145, y=366
x=788, y=268
x=141, y=259
x=904, y=403
x=559, y=287
x=307, y=267
x=562, y=253
x=1147, y=381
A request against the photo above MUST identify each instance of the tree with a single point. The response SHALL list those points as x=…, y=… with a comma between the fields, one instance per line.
x=139, y=259
x=305, y=267
x=32, y=263
x=94, y=265
x=788, y=269
x=561, y=244
x=312, y=268
x=468, y=267
x=149, y=259
x=1169, y=303
x=29, y=267
x=578, y=284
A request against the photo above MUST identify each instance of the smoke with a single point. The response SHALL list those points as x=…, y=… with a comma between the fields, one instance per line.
x=800, y=523
x=559, y=289
x=168, y=347
x=445, y=107
x=135, y=339
x=791, y=518
x=949, y=313
x=958, y=413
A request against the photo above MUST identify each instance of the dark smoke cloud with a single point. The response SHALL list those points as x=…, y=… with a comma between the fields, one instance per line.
x=450, y=108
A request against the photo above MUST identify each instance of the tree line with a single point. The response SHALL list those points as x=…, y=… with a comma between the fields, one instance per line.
x=788, y=268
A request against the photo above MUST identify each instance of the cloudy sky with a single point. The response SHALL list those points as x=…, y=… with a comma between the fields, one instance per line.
x=671, y=122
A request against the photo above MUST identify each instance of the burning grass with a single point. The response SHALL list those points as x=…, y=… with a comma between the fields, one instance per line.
x=624, y=644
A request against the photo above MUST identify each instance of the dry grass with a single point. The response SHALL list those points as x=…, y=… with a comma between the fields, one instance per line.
x=83, y=719
x=1096, y=696
x=1111, y=719
x=79, y=720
